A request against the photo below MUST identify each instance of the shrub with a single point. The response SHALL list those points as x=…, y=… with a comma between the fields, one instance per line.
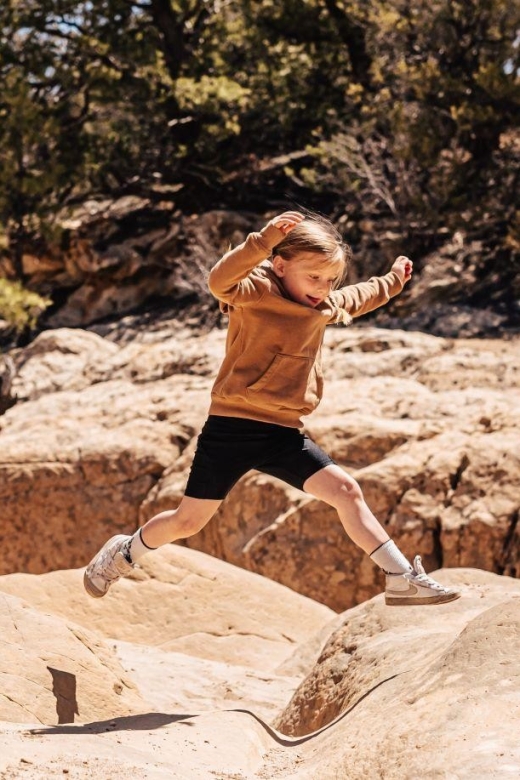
x=20, y=307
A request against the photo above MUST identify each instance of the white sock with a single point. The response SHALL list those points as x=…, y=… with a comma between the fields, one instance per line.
x=136, y=548
x=390, y=558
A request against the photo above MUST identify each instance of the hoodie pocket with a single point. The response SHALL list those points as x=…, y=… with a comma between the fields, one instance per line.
x=289, y=382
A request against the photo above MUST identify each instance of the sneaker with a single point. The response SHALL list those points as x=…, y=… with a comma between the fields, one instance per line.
x=107, y=566
x=416, y=587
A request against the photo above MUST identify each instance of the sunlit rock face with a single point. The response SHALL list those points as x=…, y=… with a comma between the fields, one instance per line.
x=104, y=429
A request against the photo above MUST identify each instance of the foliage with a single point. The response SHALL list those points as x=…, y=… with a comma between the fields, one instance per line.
x=19, y=307
x=406, y=109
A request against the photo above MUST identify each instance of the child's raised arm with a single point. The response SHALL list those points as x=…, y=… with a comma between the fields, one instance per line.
x=358, y=299
x=287, y=221
x=403, y=267
x=228, y=278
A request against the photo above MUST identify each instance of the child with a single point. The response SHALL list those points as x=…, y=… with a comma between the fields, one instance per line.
x=270, y=376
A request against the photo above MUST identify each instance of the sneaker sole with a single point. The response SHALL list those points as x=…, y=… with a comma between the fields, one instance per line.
x=410, y=601
x=87, y=584
x=91, y=590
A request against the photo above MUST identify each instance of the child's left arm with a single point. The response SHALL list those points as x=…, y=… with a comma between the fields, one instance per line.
x=358, y=299
x=403, y=267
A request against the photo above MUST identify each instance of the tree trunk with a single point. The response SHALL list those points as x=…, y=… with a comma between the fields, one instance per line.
x=171, y=29
x=353, y=36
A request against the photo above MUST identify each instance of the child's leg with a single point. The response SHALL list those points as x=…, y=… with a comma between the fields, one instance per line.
x=405, y=584
x=119, y=555
x=226, y=449
x=188, y=519
x=338, y=489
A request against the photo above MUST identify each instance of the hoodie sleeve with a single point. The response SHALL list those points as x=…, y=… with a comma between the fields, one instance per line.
x=229, y=279
x=357, y=299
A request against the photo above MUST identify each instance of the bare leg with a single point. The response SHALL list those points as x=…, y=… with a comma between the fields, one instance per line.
x=189, y=518
x=118, y=556
x=336, y=488
x=405, y=585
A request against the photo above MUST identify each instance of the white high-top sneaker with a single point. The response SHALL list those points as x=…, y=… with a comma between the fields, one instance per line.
x=106, y=567
x=416, y=587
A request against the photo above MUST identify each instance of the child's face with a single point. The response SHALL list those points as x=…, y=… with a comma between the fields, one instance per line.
x=307, y=278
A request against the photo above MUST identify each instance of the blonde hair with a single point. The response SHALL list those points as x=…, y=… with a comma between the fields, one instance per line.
x=316, y=235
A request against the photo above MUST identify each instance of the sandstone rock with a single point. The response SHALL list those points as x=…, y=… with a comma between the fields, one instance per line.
x=123, y=253
x=95, y=448
x=395, y=692
x=78, y=473
x=417, y=692
x=74, y=359
x=186, y=602
x=103, y=436
x=56, y=360
x=96, y=300
x=55, y=671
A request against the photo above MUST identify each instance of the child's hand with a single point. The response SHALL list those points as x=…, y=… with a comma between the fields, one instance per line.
x=403, y=267
x=287, y=221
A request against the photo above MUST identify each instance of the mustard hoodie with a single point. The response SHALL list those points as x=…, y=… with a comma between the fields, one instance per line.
x=272, y=366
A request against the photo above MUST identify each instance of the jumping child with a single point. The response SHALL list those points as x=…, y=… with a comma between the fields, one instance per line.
x=279, y=291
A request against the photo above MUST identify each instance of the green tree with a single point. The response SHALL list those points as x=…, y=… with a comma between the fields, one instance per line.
x=440, y=127
x=80, y=82
x=401, y=109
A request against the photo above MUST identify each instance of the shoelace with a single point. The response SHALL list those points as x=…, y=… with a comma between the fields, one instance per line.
x=419, y=575
x=423, y=579
x=108, y=567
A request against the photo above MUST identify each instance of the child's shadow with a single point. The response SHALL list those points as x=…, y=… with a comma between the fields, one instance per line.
x=144, y=721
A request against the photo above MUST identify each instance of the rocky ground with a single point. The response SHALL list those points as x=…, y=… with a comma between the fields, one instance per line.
x=198, y=668
x=194, y=668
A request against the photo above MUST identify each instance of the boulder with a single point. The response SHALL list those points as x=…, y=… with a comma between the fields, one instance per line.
x=67, y=674
x=409, y=692
x=105, y=428
x=383, y=692
x=184, y=601
x=77, y=471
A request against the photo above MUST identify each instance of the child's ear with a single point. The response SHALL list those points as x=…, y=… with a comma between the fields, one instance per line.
x=278, y=265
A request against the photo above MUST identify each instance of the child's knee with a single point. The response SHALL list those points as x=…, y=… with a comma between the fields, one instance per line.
x=187, y=521
x=188, y=525
x=349, y=490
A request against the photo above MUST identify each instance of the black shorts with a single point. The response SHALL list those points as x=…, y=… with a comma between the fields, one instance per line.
x=228, y=447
